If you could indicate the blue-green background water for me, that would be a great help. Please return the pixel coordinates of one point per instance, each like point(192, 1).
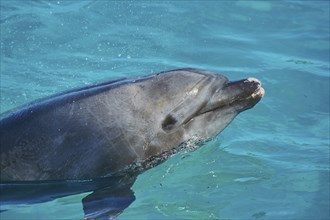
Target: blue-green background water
point(272, 162)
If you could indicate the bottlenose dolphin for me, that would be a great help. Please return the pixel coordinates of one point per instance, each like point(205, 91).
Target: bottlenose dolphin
point(99, 138)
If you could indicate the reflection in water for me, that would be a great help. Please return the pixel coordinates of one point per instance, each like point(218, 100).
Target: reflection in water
point(109, 196)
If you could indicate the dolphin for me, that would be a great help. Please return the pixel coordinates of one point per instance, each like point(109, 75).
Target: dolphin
point(100, 138)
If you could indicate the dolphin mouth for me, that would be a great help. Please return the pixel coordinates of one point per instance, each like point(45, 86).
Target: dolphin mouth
point(234, 97)
point(239, 95)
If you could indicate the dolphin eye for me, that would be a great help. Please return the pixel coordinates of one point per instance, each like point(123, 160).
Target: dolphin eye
point(168, 123)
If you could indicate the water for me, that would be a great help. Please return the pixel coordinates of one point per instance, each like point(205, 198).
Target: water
point(272, 162)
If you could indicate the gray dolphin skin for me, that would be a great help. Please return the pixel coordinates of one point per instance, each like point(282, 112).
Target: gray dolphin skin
point(118, 127)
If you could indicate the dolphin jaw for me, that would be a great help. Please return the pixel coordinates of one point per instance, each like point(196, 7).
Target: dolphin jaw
point(259, 93)
point(241, 101)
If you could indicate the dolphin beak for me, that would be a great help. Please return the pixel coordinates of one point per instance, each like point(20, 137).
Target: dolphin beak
point(249, 88)
point(259, 92)
point(239, 95)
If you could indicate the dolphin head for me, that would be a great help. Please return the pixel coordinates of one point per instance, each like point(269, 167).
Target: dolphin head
point(227, 101)
point(208, 105)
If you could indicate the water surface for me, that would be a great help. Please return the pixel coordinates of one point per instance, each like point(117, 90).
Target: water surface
point(272, 162)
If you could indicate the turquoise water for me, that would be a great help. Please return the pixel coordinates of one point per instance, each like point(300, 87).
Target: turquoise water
point(272, 162)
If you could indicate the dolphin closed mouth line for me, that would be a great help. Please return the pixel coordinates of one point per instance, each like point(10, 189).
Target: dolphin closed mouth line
point(258, 93)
